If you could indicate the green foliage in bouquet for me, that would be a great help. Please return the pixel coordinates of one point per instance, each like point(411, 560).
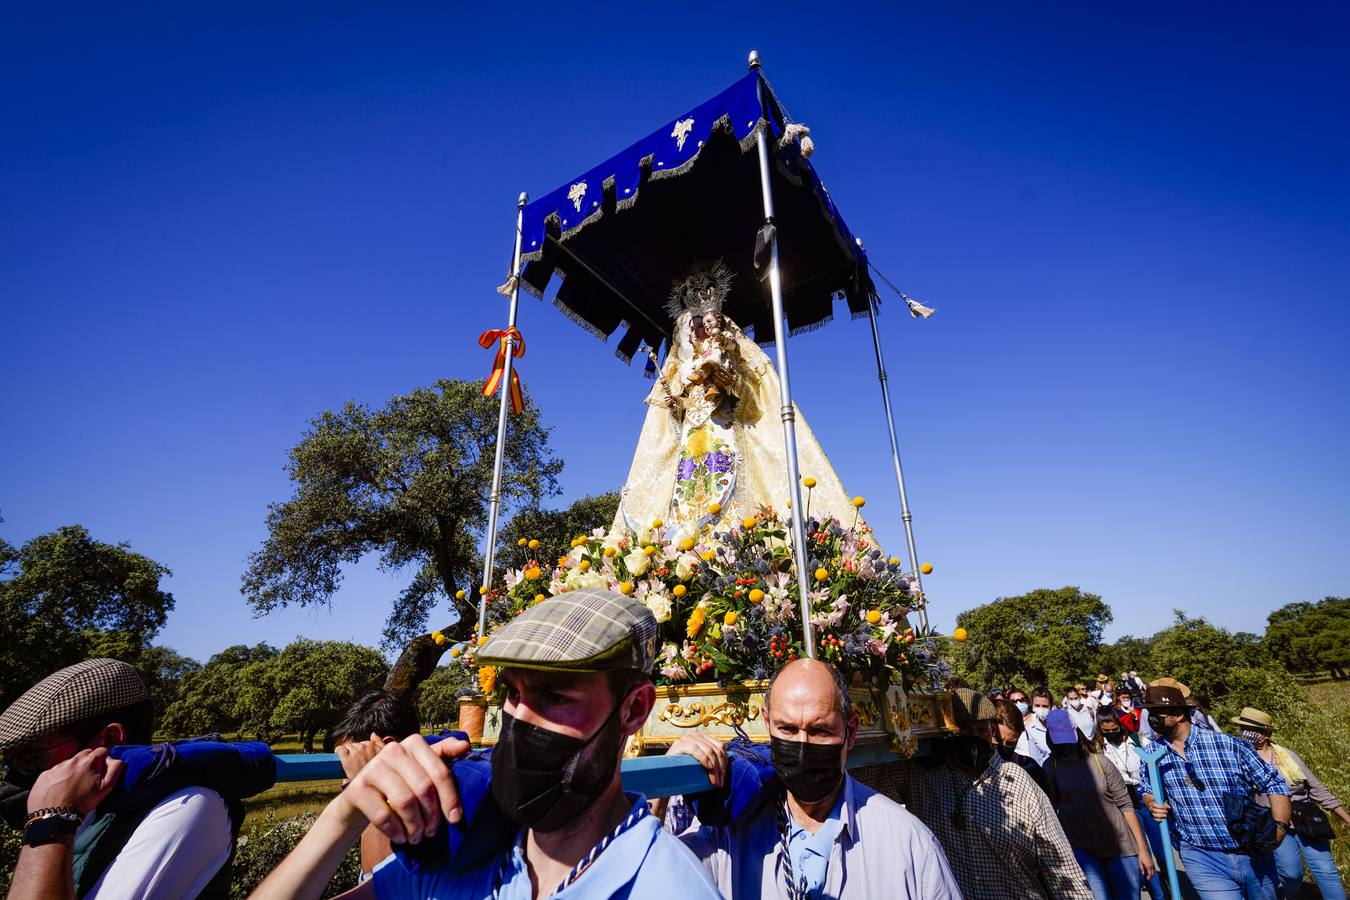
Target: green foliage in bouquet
point(727, 602)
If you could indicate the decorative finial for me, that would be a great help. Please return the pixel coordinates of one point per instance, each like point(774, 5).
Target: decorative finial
point(524, 198)
point(754, 60)
point(858, 241)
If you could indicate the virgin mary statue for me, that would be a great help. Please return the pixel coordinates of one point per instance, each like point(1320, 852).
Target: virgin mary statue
point(711, 450)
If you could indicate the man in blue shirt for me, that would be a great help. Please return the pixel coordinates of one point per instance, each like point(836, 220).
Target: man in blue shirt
point(822, 834)
point(577, 674)
point(1201, 768)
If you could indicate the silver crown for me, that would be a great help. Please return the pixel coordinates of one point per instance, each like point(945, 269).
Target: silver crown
point(702, 292)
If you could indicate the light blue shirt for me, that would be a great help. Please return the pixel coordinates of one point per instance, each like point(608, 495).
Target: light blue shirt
point(811, 852)
point(644, 861)
point(878, 850)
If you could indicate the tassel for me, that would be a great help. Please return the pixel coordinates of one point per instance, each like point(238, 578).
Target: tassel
point(800, 135)
point(510, 287)
point(916, 309)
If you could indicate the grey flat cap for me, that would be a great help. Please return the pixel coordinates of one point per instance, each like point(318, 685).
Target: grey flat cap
point(82, 691)
point(585, 630)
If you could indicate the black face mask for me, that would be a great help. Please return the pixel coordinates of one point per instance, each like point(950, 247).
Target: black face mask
point(1159, 724)
point(545, 779)
point(1006, 749)
point(809, 771)
point(970, 751)
point(1114, 737)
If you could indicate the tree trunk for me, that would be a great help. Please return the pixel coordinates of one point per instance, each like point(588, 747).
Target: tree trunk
point(415, 664)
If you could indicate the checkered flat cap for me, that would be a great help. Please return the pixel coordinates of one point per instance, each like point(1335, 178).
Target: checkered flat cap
point(585, 630)
point(82, 691)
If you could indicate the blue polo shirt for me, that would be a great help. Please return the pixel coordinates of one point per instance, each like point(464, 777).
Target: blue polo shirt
point(644, 861)
point(811, 852)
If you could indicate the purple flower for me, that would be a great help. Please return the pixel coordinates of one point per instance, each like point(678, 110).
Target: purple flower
point(685, 470)
point(718, 462)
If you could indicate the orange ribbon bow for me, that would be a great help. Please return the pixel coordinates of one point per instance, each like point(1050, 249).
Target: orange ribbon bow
point(502, 335)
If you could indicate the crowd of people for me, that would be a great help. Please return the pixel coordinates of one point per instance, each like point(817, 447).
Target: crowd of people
point(1029, 797)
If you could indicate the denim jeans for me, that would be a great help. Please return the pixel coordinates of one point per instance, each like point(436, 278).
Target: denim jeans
point(1110, 878)
point(1289, 858)
point(1153, 835)
point(1228, 876)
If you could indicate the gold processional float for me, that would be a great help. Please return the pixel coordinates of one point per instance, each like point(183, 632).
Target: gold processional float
point(676, 242)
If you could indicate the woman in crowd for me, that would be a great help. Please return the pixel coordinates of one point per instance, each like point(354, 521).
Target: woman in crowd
point(1127, 712)
point(1009, 731)
point(1113, 742)
point(1094, 807)
point(1310, 840)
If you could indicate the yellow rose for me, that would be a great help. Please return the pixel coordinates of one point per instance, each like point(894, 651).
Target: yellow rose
point(756, 596)
point(482, 640)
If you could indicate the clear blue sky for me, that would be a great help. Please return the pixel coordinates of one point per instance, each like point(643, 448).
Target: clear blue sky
point(1135, 226)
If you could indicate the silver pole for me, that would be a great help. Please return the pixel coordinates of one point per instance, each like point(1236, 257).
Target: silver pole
point(784, 389)
point(895, 453)
point(495, 498)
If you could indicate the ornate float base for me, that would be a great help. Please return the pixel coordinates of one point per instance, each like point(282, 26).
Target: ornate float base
point(897, 719)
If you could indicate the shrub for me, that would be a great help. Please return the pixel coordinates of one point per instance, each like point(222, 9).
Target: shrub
point(261, 850)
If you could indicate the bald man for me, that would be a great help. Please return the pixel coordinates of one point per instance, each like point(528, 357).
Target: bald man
point(820, 833)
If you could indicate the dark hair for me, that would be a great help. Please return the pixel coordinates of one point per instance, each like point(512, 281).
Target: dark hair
point(1042, 691)
point(955, 682)
point(1008, 714)
point(377, 712)
point(842, 698)
point(137, 721)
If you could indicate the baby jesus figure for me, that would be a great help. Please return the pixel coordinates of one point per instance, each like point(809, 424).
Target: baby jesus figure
point(713, 364)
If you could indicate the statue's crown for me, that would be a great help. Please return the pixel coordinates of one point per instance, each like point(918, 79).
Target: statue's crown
point(703, 291)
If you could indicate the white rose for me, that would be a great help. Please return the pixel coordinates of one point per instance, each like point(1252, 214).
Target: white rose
point(659, 604)
point(637, 562)
point(684, 566)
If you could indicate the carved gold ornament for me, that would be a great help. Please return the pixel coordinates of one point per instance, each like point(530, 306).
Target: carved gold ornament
point(695, 715)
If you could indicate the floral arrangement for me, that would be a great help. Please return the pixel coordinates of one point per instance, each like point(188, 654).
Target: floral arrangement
point(727, 600)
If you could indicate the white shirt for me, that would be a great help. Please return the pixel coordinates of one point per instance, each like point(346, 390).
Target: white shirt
point(1035, 741)
point(1124, 757)
point(176, 850)
point(881, 850)
point(1084, 718)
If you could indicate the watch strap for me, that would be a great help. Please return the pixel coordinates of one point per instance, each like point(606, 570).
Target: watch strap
point(47, 825)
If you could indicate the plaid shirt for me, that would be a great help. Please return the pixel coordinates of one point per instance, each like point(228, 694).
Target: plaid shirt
point(1215, 764)
point(1005, 844)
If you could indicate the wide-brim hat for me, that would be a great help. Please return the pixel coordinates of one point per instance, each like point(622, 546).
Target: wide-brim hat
point(583, 630)
point(1254, 718)
point(1164, 695)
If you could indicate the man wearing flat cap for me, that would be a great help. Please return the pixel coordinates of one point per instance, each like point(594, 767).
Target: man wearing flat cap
point(577, 675)
point(997, 826)
point(56, 740)
point(1200, 771)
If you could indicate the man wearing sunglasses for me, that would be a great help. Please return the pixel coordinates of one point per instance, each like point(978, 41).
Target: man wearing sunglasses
point(1201, 769)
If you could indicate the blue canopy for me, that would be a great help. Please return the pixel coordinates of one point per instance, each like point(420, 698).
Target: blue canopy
point(622, 233)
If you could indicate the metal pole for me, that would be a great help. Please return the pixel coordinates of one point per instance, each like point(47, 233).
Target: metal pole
point(784, 389)
point(495, 498)
point(895, 452)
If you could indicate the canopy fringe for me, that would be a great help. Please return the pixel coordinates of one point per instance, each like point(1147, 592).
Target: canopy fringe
point(567, 311)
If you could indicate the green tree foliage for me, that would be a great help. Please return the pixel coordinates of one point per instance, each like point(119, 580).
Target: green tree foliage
point(208, 699)
point(437, 703)
point(409, 481)
point(1045, 637)
point(1126, 654)
point(266, 844)
point(1201, 655)
point(162, 668)
point(554, 529)
point(307, 688)
point(1312, 637)
point(59, 588)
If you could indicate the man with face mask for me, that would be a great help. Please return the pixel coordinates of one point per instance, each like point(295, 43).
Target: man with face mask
point(56, 740)
point(1200, 769)
point(998, 828)
point(820, 833)
point(577, 671)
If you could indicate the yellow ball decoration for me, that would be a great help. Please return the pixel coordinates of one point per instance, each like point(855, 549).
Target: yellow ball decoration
point(539, 598)
point(657, 523)
point(459, 595)
point(609, 552)
point(707, 555)
point(584, 565)
point(749, 522)
point(859, 502)
point(822, 573)
point(960, 634)
point(926, 568)
point(482, 640)
point(626, 588)
point(756, 596)
point(534, 544)
point(455, 651)
point(679, 590)
point(730, 618)
point(521, 543)
point(873, 616)
point(714, 508)
point(438, 638)
point(648, 550)
point(482, 591)
point(687, 544)
point(809, 482)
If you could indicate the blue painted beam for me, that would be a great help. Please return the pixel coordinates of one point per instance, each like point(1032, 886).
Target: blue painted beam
point(655, 776)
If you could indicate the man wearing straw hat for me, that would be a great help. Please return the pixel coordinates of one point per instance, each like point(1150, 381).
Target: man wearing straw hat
point(1308, 796)
point(577, 671)
point(1204, 775)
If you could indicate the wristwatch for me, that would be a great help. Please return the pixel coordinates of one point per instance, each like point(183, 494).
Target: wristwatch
point(47, 825)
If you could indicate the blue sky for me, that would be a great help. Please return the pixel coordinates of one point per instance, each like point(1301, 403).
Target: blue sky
point(1135, 226)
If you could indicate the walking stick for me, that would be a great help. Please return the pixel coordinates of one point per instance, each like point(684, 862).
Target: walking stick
point(1150, 755)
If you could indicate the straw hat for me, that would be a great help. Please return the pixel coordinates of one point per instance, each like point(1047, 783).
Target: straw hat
point(1251, 717)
